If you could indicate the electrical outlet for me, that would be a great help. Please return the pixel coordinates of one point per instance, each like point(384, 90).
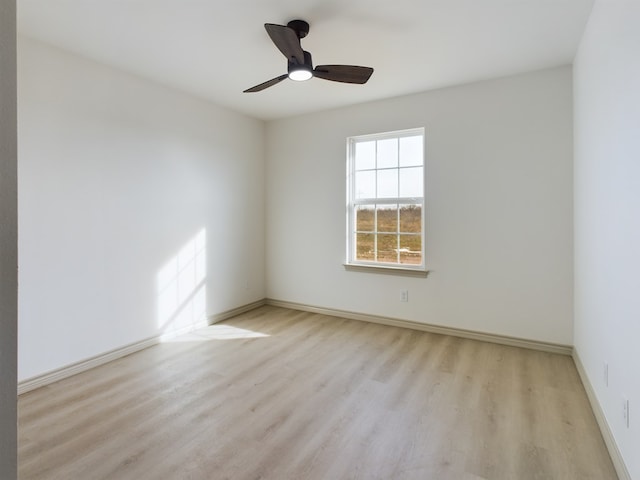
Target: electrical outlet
point(404, 295)
point(606, 374)
point(625, 411)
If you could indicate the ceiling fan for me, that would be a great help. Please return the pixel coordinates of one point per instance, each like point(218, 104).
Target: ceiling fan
point(299, 64)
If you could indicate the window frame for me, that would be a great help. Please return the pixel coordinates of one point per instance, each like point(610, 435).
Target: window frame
point(352, 263)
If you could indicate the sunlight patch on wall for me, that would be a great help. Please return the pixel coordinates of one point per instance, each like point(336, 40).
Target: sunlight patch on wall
point(181, 289)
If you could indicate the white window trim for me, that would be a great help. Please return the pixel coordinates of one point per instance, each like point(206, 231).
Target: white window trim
point(351, 264)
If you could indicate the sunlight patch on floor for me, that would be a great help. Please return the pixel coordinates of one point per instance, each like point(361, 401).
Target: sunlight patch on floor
point(217, 332)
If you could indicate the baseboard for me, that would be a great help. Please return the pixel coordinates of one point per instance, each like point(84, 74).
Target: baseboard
point(607, 435)
point(73, 369)
point(425, 327)
point(219, 317)
point(83, 365)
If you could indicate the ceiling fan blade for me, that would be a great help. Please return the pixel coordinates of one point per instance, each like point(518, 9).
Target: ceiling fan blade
point(267, 84)
point(287, 41)
point(343, 73)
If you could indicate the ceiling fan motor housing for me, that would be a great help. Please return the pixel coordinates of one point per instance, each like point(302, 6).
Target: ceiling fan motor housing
point(300, 27)
point(308, 63)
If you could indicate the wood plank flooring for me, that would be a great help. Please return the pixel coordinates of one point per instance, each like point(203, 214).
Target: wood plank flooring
point(282, 394)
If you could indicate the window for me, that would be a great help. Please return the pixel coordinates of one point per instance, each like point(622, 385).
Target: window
point(385, 185)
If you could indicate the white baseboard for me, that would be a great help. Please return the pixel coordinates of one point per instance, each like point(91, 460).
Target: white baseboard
point(73, 369)
point(83, 365)
point(607, 435)
point(425, 327)
point(219, 317)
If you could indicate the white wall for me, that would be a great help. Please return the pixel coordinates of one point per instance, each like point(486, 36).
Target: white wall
point(498, 206)
point(8, 240)
point(116, 176)
point(607, 214)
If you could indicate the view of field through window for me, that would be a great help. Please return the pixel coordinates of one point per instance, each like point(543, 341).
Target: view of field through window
point(393, 231)
point(386, 198)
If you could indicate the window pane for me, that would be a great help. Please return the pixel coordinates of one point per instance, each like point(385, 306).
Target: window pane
point(411, 180)
point(387, 183)
point(366, 184)
point(388, 248)
point(410, 219)
point(365, 155)
point(388, 153)
point(411, 151)
point(364, 218)
point(388, 218)
point(364, 246)
point(410, 249)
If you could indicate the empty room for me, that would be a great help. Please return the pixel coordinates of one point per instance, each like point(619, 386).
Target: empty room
point(320, 239)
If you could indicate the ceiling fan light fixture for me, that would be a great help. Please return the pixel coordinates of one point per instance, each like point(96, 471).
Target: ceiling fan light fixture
point(300, 74)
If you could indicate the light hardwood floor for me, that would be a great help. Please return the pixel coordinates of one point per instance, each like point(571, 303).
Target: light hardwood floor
point(315, 397)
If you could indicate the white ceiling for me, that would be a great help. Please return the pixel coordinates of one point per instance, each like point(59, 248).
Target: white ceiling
point(216, 49)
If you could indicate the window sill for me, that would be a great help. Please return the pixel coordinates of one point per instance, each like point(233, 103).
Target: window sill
point(407, 272)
